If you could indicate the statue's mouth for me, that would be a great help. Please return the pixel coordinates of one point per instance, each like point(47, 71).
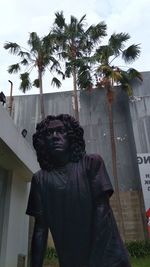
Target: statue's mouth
point(57, 145)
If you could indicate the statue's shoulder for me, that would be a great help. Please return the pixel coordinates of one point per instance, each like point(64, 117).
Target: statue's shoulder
point(93, 158)
point(38, 173)
point(37, 176)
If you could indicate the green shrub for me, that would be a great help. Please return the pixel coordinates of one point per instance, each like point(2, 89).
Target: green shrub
point(51, 254)
point(138, 249)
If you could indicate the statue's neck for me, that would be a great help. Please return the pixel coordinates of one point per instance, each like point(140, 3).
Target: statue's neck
point(60, 160)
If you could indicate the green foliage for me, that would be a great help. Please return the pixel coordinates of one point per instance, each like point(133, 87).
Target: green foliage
point(84, 77)
point(51, 254)
point(14, 68)
point(140, 262)
point(138, 249)
point(116, 42)
point(56, 82)
point(36, 83)
point(139, 252)
point(13, 48)
point(108, 72)
point(34, 42)
point(75, 44)
point(96, 31)
point(131, 53)
point(24, 62)
point(25, 82)
point(39, 55)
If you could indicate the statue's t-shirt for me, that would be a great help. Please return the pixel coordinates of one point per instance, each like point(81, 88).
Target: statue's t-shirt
point(68, 198)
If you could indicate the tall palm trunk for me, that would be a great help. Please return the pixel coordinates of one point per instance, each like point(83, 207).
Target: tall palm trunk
point(41, 94)
point(74, 74)
point(114, 159)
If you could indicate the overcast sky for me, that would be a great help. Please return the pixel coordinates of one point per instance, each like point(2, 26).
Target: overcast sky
point(20, 17)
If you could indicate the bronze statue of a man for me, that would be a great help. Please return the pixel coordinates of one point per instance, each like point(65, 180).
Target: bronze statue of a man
point(70, 196)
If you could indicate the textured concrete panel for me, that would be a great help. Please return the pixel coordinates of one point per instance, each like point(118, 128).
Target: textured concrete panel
point(140, 114)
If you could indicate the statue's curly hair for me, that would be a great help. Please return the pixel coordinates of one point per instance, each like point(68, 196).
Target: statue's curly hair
point(74, 134)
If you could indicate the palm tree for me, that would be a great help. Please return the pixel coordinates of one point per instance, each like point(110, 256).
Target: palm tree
point(109, 75)
point(75, 44)
point(39, 56)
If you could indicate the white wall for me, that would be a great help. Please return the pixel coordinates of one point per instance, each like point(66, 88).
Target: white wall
point(14, 140)
point(19, 159)
point(17, 229)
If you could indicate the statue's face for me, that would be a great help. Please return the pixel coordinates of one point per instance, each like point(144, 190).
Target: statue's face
point(56, 138)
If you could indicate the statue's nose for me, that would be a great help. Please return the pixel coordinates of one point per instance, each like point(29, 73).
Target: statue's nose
point(55, 133)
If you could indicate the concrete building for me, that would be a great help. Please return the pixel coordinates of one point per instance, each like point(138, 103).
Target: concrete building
point(17, 163)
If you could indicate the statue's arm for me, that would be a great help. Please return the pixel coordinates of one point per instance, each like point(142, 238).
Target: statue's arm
point(39, 242)
point(106, 248)
point(101, 230)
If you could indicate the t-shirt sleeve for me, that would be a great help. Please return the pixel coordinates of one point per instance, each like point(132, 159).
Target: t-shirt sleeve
point(98, 177)
point(34, 206)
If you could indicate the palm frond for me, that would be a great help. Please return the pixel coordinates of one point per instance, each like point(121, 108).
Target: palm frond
point(131, 53)
point(14, 68)
point(56, 82)
point(73, 21)
point(59, 20)
point(34, 42)
point(24, 62)
point(103, 53)
point(55, 64)
point(13, 48)
point(79, 63)
point(116, 76)
point(84, 77)
point(24, 54)
point(127, 78)
point(25, 82)
point(62, 55)
point(59, 72)
point(82, 19)
point(133, 74)
point(68, 69)
point(127, 88)
point(105, 70)
point(48, 43)
point(117, 40)
point(36, 83)
point(97, 32)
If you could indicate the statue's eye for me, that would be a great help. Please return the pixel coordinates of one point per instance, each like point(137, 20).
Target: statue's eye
point(49, 131)
point(61, 130)
point(58, 130)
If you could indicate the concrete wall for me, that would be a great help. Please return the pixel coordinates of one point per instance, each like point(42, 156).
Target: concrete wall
point(140, 114)
point(94, 119)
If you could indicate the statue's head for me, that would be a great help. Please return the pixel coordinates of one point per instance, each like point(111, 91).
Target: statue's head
point(58, 137)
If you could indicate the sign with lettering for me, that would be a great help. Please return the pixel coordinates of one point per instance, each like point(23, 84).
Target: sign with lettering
point(144, 168)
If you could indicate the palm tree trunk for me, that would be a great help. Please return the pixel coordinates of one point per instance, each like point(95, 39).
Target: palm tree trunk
point(114, 161)
point(75, 93)
point(41, 94)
